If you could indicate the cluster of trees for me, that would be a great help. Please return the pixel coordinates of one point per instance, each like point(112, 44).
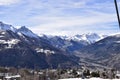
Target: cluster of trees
point(105, 74)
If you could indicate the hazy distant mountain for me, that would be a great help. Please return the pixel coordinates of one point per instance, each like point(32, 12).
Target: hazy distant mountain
point(22, 48)
point(88, 37)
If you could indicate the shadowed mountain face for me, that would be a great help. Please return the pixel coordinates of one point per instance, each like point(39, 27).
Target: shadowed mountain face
point(105, 52)
point(22, 48)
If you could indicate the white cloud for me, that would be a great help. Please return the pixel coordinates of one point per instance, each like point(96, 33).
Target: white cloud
point(8, 2)
point(61, 16)
point(72, 25)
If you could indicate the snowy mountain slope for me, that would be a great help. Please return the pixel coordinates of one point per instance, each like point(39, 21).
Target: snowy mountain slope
point(22, 30)
point(26, 32)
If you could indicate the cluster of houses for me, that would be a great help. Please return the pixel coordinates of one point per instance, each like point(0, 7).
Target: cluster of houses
point(46, 51)
point(56, 74)
point(9, 76)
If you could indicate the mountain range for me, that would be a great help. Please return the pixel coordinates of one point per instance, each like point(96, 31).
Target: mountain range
point(23, 48)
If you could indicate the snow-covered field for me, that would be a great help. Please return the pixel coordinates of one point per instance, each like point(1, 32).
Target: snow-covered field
point(88, 79)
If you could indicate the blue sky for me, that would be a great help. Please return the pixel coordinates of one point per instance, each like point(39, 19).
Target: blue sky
point(61, 17)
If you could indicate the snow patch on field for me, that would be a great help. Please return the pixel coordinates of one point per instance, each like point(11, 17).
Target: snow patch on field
point(9, 42)
point(46, 51)
point(88, 79)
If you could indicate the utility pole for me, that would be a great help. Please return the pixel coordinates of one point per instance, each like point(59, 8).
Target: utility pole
point(117, 11)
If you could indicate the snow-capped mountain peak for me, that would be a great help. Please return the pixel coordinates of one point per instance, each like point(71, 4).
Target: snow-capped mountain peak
point(7, 27)
point(89, 37)
point(92, 37)
point(26, 32)
point(23, 28)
